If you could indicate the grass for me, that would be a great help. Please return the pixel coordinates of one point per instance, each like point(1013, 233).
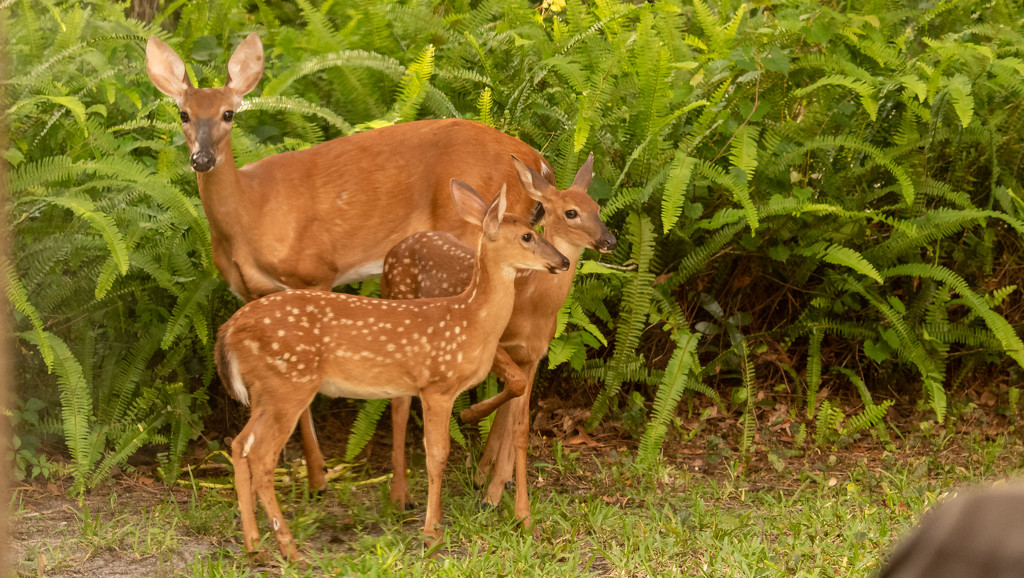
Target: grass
point(816, 512)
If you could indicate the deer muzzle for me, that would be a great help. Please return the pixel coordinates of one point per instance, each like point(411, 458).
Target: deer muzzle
point(563, 266)
point(202, 161)
point(203, 158)
point(606, 243)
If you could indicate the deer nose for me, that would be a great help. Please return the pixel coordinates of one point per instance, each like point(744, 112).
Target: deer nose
point(565, 263)
point(607, 243)
point(203, 161)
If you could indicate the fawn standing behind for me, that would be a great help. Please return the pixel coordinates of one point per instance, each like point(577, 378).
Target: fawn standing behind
point(326, 215)
point(278, 352)
point(435, 264)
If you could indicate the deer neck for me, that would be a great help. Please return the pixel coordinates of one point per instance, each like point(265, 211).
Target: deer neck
point(221, 192)
point(491, 293)
point(568, 248)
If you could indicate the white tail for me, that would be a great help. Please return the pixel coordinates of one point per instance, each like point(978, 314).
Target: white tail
point(288, 347)
point(327, 215)
point(436, 264)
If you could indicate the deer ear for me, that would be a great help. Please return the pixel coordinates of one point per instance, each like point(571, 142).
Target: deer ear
point(245, 66)
point(166, 70)
point(585, 174)
point(533, 182)
point(495, 213)
point(468, 203)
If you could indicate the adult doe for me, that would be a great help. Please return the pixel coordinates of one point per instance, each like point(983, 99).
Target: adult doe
point(327, 215)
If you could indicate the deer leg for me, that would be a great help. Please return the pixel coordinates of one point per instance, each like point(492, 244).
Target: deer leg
point(245, 489)
point(521, 432)
point(263, 455)
point(315, 464)
point(504, 461)
point(504, 454)
point(399, 481)
point(436, 438)
point(499, 453)
point(498, 427)
point(515, 384)
point(496, 463)
point(501, 427)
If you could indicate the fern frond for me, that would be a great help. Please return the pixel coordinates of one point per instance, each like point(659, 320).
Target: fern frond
point(674, 383)
point(749, 385)
point(343, 58)
point(100, 221)
point(1002, 329)
point(414, 85)
point(674, 193)
point(743, 152)
point(863, 89)
point(364, 426)
point(636, 302)
point(483, 105)
point(844, 256)
point(298, 106)
point(739, 190)
point(186, 310)
point(18, 297)
point(76, 406)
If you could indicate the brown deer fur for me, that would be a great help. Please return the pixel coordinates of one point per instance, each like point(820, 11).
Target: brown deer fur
point(327, 215)
point(436, 264)
point(278, 352)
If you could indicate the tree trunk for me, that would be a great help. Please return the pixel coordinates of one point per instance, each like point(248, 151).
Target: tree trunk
point(143, 10)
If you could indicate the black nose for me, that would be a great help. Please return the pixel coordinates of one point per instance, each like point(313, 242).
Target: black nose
point(606, 244)
point(565, 263)
point(203, 161)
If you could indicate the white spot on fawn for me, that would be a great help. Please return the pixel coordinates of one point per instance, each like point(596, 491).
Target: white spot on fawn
point(248, 445)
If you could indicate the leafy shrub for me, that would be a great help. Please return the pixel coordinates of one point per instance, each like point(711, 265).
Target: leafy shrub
point(842, 185)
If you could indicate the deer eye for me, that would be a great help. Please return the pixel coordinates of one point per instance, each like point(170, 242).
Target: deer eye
point(527, 237)
point(228, 115)
point(184, 116)
point(571, 214)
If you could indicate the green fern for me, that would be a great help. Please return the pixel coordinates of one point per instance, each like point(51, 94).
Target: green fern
point(838, 255)
point(76, 406)
point(484, 104)
point(813, 371)
point(1002, 330)
point(413, 86)
point(636, 304)
point(750, 393)
point(863, 89)
point(364, 426)
point(675, 190)
point(675, 381)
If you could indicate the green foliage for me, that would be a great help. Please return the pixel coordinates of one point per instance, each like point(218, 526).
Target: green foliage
point(749, 394)
point(856, 169)
point(364, 427)
point(679, 376)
